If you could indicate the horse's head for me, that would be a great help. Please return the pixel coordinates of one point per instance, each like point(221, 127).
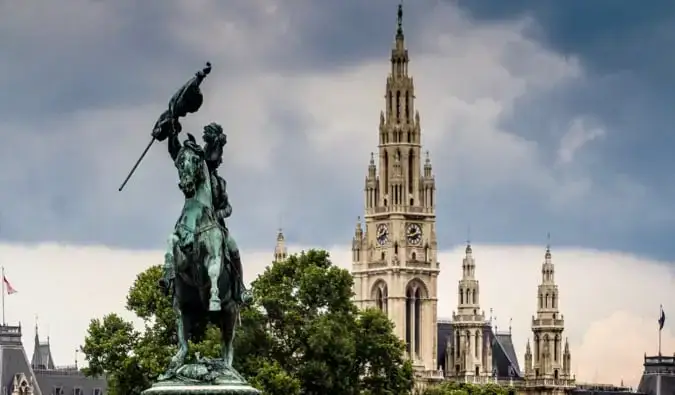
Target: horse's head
point(190, 165)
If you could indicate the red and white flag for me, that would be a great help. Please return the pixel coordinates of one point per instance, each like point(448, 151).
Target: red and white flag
point(8, 286)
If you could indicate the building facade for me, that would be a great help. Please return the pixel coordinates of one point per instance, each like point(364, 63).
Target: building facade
point(394, 260)
point(40, 376)
point(395, 269)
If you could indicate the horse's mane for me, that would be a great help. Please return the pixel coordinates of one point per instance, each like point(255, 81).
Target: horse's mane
point(191, 144)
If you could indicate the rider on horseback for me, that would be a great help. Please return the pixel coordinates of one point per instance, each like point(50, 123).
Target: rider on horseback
point(214, 140)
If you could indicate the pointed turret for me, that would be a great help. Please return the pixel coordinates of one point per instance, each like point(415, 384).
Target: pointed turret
point(357, 242)
point(280, 252)
point(469, 324)
point(567, 359)
point(528, 359)
point(548, 325)
point(42, 354)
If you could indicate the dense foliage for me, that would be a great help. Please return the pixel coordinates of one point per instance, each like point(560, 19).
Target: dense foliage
point(453, 388)
point(301, 335)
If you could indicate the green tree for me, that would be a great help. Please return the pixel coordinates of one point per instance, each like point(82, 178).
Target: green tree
point(454, 388)
point(302, 334)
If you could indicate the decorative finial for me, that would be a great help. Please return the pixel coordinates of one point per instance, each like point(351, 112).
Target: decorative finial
point(510, 322)
point(548, 246)
point(372, 158)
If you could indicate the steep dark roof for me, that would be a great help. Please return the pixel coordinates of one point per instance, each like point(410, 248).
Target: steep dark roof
point(42, 354)
point(508, 359)
point(504, 358)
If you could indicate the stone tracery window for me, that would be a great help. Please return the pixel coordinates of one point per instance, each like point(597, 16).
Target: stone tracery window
point(416, 293)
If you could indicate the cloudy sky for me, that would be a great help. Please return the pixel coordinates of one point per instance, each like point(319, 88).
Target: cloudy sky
point(541, 116)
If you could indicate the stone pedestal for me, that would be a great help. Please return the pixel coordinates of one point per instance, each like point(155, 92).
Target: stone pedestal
point(202, 389)
point(205, 378)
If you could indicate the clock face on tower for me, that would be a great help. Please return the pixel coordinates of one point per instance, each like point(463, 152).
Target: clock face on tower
point(414, 234)
point(382, 234)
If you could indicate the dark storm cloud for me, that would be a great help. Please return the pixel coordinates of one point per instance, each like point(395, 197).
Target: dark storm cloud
point(625, 48)
point(68, 74)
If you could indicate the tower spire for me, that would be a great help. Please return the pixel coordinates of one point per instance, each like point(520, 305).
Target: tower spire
point(399, 19)
point(280, 251)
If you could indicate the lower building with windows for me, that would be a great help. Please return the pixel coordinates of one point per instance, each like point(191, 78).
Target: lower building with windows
point(39, 376)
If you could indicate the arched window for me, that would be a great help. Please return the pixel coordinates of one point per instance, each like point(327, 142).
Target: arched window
point(457, 344)
point(391, 102)
point(411, 168)
point(408, 319)
point(413, 256)
point(418, 319)
point(407, 106)
point(555, 301)
point(536, 348)
point(547, 301)
point(398, 106)
point(385, 174)
point(477, 344)
point(380, 294)
point(555, 347)
point(416, 293)
point(461, 296)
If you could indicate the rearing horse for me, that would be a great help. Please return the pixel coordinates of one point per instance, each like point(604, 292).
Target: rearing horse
point(197, 262)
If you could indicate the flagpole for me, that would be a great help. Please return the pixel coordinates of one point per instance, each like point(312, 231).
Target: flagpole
point(660, 315)
point(3, 296)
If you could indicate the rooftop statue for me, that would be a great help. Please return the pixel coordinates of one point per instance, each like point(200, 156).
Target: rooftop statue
point(202, 268)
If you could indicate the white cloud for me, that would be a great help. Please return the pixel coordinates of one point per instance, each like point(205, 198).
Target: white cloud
point(610, 300)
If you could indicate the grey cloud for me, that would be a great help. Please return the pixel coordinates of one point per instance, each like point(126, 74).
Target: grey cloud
point(287, 162)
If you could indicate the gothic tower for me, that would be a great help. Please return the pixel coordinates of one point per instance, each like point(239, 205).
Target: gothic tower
point(471, 351)
point(548, 359)
point(280, 252)
point(394, 257)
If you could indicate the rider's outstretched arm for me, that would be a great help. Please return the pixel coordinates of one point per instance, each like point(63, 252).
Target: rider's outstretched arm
point(174, 146)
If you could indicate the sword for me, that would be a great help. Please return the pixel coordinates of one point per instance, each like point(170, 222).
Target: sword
point(138, 162)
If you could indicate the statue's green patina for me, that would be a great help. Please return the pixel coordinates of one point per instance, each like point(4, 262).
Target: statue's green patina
point(202, 268)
